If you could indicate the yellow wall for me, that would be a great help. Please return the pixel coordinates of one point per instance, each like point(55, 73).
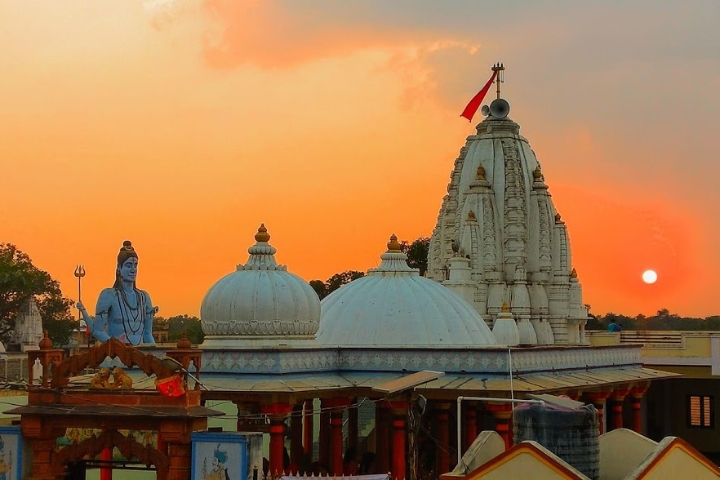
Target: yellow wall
point(678, 464)
point(695, 346)
point(524, 465)
point(621, 451)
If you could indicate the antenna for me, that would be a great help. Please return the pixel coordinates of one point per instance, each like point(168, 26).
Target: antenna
point(500, 78)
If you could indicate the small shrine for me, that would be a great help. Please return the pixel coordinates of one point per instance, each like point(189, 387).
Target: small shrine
point(108, 407)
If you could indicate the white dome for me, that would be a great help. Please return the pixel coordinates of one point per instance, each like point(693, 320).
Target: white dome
point(394, 306)
point(260, 305)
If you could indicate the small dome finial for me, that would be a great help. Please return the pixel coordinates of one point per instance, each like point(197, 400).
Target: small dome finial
point(481, 173)
point(558, 218)
point(393, 245)
point(573, 274)
point(471, 216)
point(537, 174)
point(262, 235)
point(505, 308)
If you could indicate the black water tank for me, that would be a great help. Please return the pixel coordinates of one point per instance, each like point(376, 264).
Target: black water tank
point(570, 433)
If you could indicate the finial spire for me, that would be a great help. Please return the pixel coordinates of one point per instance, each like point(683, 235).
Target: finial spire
point(500, 78)
point(393, 245)
point(262, 235)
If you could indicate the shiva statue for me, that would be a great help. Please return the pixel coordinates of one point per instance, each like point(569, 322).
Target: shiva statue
point(123, 311)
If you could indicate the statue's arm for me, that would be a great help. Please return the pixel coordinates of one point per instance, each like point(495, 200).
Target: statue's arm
point(102, 313)
point(149, 318)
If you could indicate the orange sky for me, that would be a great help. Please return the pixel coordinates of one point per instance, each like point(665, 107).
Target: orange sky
point(181, 125)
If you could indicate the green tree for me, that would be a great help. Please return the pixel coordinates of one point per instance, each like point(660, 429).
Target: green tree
point(323, 289)
point(20, 281)
point(183, 323)
point(417, 253)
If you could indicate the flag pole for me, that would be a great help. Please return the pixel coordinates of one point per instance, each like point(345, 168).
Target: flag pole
point(499, 69)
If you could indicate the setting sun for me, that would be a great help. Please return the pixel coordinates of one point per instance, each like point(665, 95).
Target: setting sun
point(649, 276)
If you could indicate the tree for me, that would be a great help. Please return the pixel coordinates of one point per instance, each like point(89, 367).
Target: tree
point(20, 281)
point(189, 325)
point(323, 289)
point(417, 253)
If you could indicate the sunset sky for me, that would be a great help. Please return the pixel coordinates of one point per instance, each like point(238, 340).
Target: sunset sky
point(183, 124)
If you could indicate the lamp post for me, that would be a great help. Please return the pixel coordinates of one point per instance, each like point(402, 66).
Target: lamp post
point(79, 274)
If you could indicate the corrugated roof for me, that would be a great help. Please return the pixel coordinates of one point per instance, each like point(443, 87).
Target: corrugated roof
point(461, 383)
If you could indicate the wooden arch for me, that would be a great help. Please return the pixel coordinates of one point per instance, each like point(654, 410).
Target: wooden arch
point(112, 348)
point(108, 439)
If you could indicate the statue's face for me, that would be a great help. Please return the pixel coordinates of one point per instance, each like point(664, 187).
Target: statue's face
point(128, 269)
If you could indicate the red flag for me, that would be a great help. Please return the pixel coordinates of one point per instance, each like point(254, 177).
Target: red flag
point(172, 387)
point(477, 99)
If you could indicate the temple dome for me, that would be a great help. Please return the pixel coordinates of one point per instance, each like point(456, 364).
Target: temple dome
point(393, 306)
point(260, 305)
point(499, 217)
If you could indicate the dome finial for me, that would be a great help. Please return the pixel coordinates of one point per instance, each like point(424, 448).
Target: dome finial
point(262, 235)
point(393, 245)
point(537, 174)
point(481, 173)
point(505, 308)
point(471, 216)
point(573, 274)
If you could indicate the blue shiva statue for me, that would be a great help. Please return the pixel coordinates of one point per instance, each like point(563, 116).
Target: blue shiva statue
point(123, 311)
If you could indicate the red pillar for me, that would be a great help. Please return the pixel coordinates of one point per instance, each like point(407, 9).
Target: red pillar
point(598, 400)
point(636, 394)
point(336, 453)
point(337, 406)
point(106, 456)
point(324, 434)
point(442, 434)
point(471, 432)
point(398, 460)
point(382, 434)
point(308, 432)
point(352, 439)
point(617, 398)
point(277, 413)
point(277, 446)
point(296, 437)
point(501, 413)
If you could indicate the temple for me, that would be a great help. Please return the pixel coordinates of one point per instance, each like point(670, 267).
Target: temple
point(393, 372)
point(499, 238)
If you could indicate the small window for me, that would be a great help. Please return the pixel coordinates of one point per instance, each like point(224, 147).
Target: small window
point(700, 411)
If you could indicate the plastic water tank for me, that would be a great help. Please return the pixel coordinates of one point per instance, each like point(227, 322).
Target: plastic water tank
point(570, 433)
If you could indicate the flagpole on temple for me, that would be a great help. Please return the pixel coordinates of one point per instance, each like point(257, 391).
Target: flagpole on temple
point(499, 70)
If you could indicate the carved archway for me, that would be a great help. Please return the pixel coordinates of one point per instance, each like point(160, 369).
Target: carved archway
point(108, 439)
point(112, 348)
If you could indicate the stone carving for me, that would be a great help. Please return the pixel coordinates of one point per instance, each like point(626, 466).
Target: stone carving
point(123, 311)
point(515, 208)
point(489, 244)
point(28, 327)
point(545, 244)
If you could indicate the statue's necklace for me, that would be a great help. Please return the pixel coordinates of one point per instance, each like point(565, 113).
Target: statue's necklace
point(133, 318)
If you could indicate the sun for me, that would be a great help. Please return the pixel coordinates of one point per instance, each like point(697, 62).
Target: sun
point(649, 276)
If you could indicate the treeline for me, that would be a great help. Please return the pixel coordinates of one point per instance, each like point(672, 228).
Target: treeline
point(663, 320)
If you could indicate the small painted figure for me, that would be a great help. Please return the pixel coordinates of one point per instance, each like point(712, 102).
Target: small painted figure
point(101, 380)
point(218, 471)
point(121, 379)
point(5, 465)
point(123, 311)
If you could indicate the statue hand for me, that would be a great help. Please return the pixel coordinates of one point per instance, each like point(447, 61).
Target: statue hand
point(80, 306)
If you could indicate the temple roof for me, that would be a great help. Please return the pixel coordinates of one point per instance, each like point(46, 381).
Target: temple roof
point(261, 304)
point(394, 306)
